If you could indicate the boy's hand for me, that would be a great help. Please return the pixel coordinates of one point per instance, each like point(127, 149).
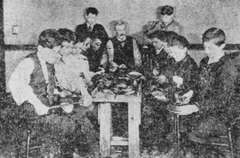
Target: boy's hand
point(122, 66)
point(185, 99)
point(178, 80)
point(162, 79)
point(150, 25)
point(41, 109)
point(100, 72)
point(155, 72)
point(185, 109)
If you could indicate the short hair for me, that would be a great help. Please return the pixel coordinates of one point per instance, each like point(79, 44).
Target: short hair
point(179, 41)
point(119, 22)
point(170, 35)
point(164, 36)
point(49, 38)
point(166, 10)
point(67, 35)
point(215, 34)
point(159, 34)
point(91, 10)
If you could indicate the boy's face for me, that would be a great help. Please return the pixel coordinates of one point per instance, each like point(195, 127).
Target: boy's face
point(157, 43)
point(212, 49)
point(91, 18)
point(121, 31)
point(67, 48)
point(96, 44)
point(178, 53)
point(167, 18)
point(52, 56)
point(77, 48)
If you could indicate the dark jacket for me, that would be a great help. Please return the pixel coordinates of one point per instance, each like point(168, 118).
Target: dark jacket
point(98, 30)
point(94, 58)
point(161, 61)
point(189, 71)
point(220, 87)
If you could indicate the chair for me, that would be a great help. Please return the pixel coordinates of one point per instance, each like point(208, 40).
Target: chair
point(224, 142)
point(29, 148)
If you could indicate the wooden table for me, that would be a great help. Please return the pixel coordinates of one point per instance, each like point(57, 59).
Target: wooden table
point(134, 120)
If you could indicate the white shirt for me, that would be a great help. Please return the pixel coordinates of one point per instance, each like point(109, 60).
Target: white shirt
point(19, 83)
point(159, 50)
point(68, 72)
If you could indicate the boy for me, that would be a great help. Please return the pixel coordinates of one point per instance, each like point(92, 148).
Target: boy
point(96, 55)
point(68, 71)
point(33, 79)
point(178, 81)
point(91, 28)
point(73, 74)
point(219, 101)
point(166, 23)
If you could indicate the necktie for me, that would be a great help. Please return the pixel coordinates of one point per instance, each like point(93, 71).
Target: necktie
point(90, 28)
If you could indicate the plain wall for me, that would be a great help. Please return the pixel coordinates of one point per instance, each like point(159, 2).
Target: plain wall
point(33, 16)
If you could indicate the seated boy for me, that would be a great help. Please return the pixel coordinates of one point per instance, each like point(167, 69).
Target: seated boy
point(33, 79)
point(185, 73)
point(219, 101)
point(71, 67)
point(96, 55)
point(178, 82)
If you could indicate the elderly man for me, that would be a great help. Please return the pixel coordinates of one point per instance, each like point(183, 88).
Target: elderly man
point(123, 50)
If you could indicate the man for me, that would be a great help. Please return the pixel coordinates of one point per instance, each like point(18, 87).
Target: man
point(91, 28)
point(33, 79)
point(123, 50)
point(219, 97)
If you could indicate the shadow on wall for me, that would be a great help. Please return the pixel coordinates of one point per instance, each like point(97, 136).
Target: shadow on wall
point(194, 37)
point(197, 55)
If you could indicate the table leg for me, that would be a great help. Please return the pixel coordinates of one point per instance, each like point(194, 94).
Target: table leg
point(134, 110)
point(104, 113)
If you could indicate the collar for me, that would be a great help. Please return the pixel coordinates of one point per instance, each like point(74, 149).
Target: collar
point(159, 50)
point(120, 40)
point(214, 66)
point(166, 26)
point(40, 57)
point(216, 59)
point(90, 25)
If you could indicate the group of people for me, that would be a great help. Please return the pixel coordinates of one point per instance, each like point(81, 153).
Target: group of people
point(65, 61)
point(206, 96)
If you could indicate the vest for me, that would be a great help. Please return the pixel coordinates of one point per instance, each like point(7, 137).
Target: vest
point(123, 54)
point(43, 90)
